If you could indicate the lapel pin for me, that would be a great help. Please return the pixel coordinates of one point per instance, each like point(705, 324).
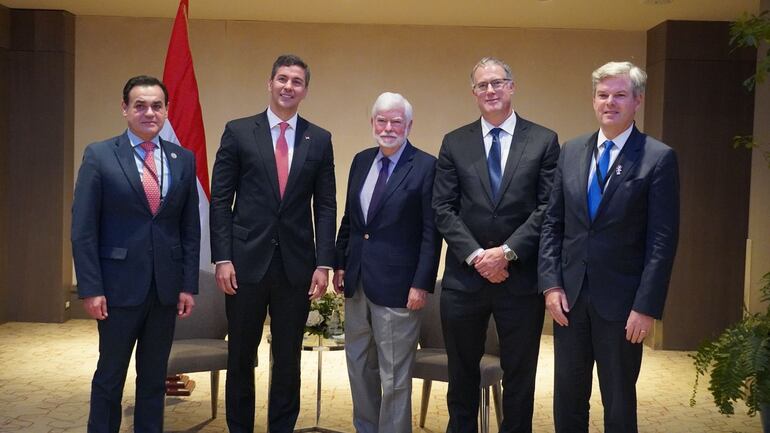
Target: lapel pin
point(173, 155)
point(618, 170)
point(307, 137)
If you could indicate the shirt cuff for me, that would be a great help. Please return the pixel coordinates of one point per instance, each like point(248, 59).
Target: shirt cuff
point(223, 261)
point(328, 268)
point(473, 255)
point(551, 288)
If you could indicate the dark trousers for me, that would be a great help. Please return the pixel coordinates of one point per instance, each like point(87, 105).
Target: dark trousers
point(288, 306)
point(151, 327)
point(519, 321)
point(589, 338)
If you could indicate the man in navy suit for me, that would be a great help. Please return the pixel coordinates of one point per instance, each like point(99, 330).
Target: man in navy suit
point(493, 178)
point(606, 252)
point(273, 166)
point(387, 259)
point(135, 242)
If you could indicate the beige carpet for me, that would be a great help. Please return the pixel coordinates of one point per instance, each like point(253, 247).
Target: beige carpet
point(46, 369)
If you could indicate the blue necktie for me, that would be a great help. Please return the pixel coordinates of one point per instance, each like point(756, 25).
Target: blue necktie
point(596, 189)
point(493, 162)
point(379, 188)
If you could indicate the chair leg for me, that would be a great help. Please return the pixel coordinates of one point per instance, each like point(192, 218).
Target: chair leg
point(484, 409)
point(425, 399)
point(214, 392)
point(498, 401)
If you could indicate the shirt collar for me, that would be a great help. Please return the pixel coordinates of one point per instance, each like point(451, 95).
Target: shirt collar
point(393, 158)
point(274, 120)
point(618, 141)
point(508, 125)
point(136, 141)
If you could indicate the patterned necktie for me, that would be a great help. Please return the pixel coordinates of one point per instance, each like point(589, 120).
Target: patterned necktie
point(493, 162)
point(379, 188)
point(596, 189)
point(150, 177)
point(282, 158)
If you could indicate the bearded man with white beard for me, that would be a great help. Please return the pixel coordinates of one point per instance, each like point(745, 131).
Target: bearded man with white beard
point(388, 250)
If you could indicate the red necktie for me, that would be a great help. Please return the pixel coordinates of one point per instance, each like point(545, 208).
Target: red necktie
point(282, 158)
point(150, 177)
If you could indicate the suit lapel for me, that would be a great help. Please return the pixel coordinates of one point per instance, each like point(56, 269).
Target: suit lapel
point(302, 143)
point(585, 169)
point(478, 155)
point(265, 148)
point(625, 163)
point(127, 160)
point(403, 168)
point(358, 180)
point(175, 167)
point(518, 144)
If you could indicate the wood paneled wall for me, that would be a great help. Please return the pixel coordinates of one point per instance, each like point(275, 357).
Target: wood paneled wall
point(696, 104)
point(38, 170)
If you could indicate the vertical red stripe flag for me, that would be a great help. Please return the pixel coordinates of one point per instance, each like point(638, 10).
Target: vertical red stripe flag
point(185, 118)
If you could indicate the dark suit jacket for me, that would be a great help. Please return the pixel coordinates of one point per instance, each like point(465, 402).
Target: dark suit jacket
point(628, 250)
point(469, 218)
point(248, 233)
point(117, 244)
point(399, 247)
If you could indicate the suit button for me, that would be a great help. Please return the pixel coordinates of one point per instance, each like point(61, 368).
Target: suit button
point(366, 236)
point(494, 215)
point(585, 262)
point(273, 241)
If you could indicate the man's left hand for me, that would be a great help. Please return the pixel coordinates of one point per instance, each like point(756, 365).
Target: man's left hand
point(417, 298)
point(638, 326)
point(318, 283)
point(185, 305)
point(491, 262)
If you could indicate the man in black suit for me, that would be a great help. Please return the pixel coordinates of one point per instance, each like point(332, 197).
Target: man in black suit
point(273, 165)
point(135, 243)
point(492, 184)
point(606, 252)
point(387, 259)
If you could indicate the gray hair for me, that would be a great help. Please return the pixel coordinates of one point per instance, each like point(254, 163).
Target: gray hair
point(493, 61)
point(615, 69)
point(391, 101)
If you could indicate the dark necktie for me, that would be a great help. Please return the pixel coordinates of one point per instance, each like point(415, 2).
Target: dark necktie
point(599, 181)
point(150, 177)
point(493, 162)
point(379, 188)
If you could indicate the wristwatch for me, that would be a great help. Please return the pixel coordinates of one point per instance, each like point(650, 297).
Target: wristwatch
point(509, 254)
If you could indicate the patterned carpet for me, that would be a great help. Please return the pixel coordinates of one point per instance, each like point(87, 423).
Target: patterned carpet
point(46, 369)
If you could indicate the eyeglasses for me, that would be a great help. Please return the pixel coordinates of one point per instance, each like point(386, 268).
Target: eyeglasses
point(496, 85)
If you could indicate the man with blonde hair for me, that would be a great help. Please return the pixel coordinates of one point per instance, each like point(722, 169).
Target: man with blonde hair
point(606, 252)
point(387, 259)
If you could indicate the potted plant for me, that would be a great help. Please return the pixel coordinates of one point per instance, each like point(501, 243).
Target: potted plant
point(739, 363)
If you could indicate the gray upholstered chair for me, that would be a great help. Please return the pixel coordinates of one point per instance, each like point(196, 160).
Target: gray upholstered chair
point(431, 362)
point(199, 340)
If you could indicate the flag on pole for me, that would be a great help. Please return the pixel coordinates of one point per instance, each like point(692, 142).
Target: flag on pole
point(185, 119)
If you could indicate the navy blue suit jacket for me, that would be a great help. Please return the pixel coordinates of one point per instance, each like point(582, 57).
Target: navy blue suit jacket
point(117, 244)
point(627, 252)
point(399, 248)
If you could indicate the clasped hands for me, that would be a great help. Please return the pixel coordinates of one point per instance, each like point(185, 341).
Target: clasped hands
point(491, 265)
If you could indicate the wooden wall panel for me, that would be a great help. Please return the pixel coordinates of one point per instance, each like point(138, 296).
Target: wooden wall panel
point(40, 147)
point(696, 104)
point(5, 37)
